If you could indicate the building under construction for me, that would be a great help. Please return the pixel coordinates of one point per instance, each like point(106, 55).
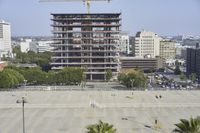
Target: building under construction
point(88, 41)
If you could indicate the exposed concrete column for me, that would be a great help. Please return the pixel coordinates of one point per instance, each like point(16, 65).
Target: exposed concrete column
point(91, 77)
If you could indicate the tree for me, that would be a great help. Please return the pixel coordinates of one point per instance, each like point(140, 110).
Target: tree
point(41, 59)
point(109, 74)
point(101, 127)
point(44, 64)
point(16, 74)
point(183, 77)
point(35, 76)
point(121, 77)
point(70, 76)
point(5, 81)
point(17, 52)
point(188, 126)
point(10, 78)
point(193, 77)
point(51, 78)
point(133, 79)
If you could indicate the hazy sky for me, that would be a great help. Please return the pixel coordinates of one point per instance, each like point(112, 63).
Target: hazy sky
point(165, 17)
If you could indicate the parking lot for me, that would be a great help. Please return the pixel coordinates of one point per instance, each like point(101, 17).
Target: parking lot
point(170, 81)
point(72, 111)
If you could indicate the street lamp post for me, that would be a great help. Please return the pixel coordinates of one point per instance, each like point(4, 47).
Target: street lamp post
point(23, 115)
point(23, 101)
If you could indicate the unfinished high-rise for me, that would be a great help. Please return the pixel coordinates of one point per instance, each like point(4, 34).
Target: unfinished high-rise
point(88, 41)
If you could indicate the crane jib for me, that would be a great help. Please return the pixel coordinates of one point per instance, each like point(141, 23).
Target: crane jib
point(87, 2)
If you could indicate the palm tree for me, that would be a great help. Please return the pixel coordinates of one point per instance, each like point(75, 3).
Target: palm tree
point(101, 127)
point(188, 126)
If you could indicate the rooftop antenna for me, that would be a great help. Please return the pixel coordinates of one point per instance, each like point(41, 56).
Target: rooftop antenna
point(87, 2)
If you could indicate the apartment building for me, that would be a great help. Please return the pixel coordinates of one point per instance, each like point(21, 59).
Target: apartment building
point(167, 49)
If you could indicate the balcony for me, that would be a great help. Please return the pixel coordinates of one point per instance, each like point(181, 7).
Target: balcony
point(85, 38)
point(83, 57)
point(85, 63)
point(95, 31)
point(86, 25)
point(88, 19)
point(101, 68)
point(86, 51)
point(92, 44)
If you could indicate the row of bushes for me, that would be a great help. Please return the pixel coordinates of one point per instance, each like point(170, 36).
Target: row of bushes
point(13, 77)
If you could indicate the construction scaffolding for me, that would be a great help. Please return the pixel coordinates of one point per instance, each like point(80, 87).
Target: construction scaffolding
point(88, 41)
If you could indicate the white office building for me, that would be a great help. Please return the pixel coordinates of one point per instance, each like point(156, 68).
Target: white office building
point(35, 46)
point(147, 43)
point(44, 46)
point(25, 45)
point(5, 39)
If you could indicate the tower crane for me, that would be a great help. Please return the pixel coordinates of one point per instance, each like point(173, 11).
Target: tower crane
point(87, 2)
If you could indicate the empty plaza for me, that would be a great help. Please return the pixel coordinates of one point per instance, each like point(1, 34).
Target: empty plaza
point(72, 111)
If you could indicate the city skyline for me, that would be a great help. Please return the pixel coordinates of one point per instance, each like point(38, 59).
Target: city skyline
point(31, 18)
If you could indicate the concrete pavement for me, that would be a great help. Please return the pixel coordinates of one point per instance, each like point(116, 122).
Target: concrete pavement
point(71, 111)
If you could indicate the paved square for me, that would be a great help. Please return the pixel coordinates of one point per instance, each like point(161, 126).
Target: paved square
point(72, 111)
